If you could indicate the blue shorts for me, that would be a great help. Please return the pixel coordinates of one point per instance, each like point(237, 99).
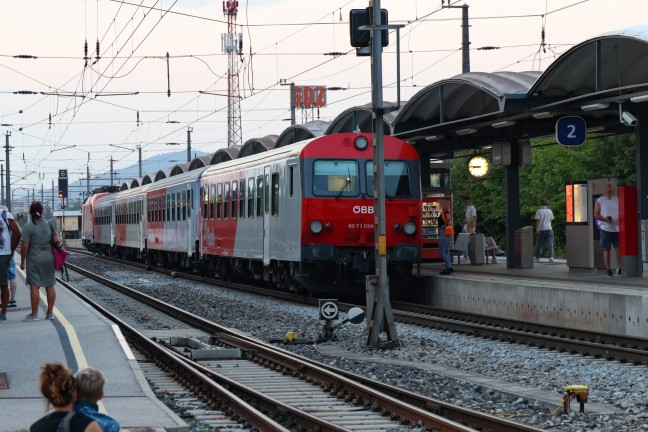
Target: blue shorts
point(609, 238)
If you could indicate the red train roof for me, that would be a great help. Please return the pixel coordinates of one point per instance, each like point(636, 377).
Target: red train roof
point(342, 146)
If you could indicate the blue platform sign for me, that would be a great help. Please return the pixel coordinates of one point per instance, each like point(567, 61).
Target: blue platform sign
point(570, 131)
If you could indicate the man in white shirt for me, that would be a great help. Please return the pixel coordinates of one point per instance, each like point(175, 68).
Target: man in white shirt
point(470, 220)
point(544, 233)
point(9, 239)
point(606, 212)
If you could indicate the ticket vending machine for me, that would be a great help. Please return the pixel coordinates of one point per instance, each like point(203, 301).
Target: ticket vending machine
point(582, 232)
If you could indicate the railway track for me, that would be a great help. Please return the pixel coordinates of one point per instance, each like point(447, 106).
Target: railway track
point(600, 345)
point(364, 405)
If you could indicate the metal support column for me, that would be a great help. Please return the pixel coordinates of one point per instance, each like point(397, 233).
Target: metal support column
point(381, 311)
point(8, 173)
point(641, 132)
point(512, 185)
point(189, 130)
point(139, 159)
point(2, 192)
point(111, 171)
point(465, 40)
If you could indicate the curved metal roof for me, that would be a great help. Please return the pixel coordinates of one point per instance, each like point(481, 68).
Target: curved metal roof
point(134, 183)
point(224, 154)
point(358, 117)
point(124, 186)
point(257, 145)
point(200, 162)
point(465, 96)
point(610, 61)
point(179, 169)
point(161, 174)
point(296, 133)
point(146, 180)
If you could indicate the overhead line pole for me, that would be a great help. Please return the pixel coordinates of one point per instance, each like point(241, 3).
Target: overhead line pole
point(381, 313)
point(8, 173)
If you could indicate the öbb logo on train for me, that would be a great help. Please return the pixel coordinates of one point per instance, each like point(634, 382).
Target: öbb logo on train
point(363, 209)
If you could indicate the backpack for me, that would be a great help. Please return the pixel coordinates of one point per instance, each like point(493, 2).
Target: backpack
point(60, 253)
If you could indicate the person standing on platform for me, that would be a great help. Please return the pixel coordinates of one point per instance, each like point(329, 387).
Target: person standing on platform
point(57, 385)
point(606, 212)
point(544, 233)
point(89, 384)
point(446, 234)
point(13, 286)
point(38, 237)
point(470, 220)
point(9, 238)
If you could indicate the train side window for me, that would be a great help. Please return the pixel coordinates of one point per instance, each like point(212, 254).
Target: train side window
point(173, 206)
point(234, 199)
point(275, 194)
point(204, 196)
point(226, 201)
point(291, 180)
point(219, 198)
point(242, 200)
point(178, 206)
point(266, 193)
point(212, 201)
point(168, 208)
point(259, 197)
point(184, 205)
point(250, 204)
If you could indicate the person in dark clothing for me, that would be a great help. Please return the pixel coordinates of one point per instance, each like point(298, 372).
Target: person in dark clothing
point(57, 385)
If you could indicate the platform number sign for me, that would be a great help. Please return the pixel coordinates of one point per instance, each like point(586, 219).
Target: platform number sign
point(328, 309)
point(570, 131)
point(62, 173)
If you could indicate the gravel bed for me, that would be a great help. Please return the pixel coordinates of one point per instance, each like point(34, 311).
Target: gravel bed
point(623, 387)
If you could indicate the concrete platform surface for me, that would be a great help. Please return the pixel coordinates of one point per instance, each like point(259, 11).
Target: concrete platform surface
point(548, 293)
point(78, 337)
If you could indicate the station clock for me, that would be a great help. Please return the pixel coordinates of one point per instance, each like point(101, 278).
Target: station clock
point(478, 166)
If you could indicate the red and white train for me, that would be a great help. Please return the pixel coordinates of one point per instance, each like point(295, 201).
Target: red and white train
point(300, 216)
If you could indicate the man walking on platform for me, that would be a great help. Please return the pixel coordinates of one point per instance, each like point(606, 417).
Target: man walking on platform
point(606, 212)
point(544, 233)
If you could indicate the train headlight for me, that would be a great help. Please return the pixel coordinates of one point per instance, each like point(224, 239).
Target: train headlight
point(409, 228)
point(328, 227)
point(397, 228)
point(316, 227)
point(361, 142)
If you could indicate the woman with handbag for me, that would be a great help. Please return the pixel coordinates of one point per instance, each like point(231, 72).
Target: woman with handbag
point(36, 250)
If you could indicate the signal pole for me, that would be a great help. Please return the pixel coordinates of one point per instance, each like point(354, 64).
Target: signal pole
point(465, 36)
point(189, 130)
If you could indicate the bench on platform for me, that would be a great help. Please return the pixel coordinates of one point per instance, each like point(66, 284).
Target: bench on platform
point(460, 245)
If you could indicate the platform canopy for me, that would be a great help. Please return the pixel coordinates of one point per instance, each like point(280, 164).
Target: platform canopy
point(359, 118)
point(257, 145)
point(200, 162)
point(134, 183)
point(224, 155)
point(124, 186)
point(296, 133)
point(591, 80)
point(161, 174)
point(179, 169)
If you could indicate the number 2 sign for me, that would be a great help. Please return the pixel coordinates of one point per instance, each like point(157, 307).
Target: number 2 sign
point(570, 131)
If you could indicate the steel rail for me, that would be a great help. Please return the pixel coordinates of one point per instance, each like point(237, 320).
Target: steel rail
point(422, 413)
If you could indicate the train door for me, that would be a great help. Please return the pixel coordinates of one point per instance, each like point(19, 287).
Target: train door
point(266, 215)
point(186, 213)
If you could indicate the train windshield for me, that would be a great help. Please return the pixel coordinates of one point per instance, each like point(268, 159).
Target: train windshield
point(397, 179)
point(336, 178)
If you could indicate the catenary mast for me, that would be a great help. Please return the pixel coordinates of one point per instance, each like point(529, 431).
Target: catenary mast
point(232, 44)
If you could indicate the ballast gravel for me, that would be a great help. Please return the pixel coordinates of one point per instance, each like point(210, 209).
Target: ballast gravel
point(619, 386)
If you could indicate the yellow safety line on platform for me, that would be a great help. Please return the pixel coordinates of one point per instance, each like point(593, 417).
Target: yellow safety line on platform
point(75, 344)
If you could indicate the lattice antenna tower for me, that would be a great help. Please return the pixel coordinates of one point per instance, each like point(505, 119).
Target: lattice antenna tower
point(232, 44)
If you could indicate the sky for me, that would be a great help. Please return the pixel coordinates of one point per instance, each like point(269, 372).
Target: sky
point(82, 115)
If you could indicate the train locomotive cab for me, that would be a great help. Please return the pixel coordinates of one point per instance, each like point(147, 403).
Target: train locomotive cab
point(338, 231)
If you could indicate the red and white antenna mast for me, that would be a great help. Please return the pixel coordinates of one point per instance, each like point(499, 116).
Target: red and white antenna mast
point(232, 44)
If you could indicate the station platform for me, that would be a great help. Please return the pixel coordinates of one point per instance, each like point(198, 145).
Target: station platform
point(548, 293)
point(77, 337)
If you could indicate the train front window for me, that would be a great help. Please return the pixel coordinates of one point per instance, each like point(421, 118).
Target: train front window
point(335, 178)
point(397, 179)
